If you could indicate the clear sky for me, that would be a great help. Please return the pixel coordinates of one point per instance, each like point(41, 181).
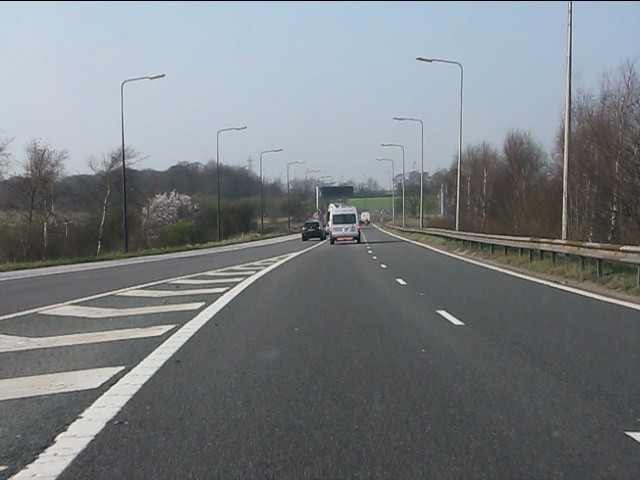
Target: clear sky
point(321, 80)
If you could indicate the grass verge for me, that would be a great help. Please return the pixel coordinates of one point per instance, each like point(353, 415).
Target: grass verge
point(618, 280)
point(11, 266)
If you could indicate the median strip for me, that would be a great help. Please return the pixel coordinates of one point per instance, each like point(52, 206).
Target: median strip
point(449, 317)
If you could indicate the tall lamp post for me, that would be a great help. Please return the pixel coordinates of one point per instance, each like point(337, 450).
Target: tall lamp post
point(402, 147)
point(288, 207)
point(309, 170)
point(567, 126)
point(124, 174)
point(218, 169)
point(261, 202)
point(437, 60)
point(393, 194)
point(403, 119)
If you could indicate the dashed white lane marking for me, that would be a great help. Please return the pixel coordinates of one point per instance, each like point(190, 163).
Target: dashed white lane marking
point(171, 293)
point(99, 312)
point(213, 281)
point(449, 317)
point(369, 252)
point(382, 265)
point(401, 281)
point(51, 383)
point(68, 444)
point(634, 435)
point(2, 467)
point(10, 343)
point(374, 257)
point(548, 283)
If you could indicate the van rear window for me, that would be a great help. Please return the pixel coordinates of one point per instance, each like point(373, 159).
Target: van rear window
point(344, 218)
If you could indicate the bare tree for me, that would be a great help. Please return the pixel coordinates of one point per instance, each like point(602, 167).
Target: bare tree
point(605, 163)
point(480, 171)
point(525, 169)
point(34, 191)
point(108, 172)
point(4, 154)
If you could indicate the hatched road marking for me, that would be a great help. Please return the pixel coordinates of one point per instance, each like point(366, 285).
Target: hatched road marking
point(10, 343)
point(68, 444)
point(51, 383)
point(227, 274)
point(213, 281)
point(634, 435)
point(99, 312)
point(171, 293)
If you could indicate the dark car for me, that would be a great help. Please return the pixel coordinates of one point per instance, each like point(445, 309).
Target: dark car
point(313, 229)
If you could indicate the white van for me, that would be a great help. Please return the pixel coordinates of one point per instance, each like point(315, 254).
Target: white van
point(344, 224)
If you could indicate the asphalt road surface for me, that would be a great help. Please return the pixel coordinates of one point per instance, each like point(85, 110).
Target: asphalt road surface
point(378, 360)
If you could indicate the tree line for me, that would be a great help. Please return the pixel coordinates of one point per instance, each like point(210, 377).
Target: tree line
point(512, 189)
point(45, 215)
point(516, 188)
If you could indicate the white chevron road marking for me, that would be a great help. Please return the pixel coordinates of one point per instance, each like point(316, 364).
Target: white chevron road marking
point(100, 312)
point(11, 343)
point(51, 383)
point(171, 293)
point(212, 281)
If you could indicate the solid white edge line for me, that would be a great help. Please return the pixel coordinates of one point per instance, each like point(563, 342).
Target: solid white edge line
point(401, 281)
point(634, 435)
point(449, 317)
point(68, 444)
point(584, 293)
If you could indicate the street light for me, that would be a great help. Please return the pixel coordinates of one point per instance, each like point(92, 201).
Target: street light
point(402, 119)
point(308, 170)
point(393, 194)
point(402, 147)
point(567, 125)
point(288, 209)
point(218, 169)
point(316, 170)
point(124, 175)
point(261, 203)
point(437, 60)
